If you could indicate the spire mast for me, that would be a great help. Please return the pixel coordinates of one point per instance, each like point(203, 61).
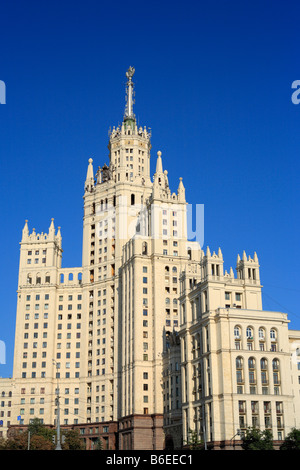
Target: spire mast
point(129, 95)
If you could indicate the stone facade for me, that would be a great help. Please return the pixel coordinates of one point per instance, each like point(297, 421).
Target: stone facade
point(96, 333)
point(145, 332)
point(239, 363)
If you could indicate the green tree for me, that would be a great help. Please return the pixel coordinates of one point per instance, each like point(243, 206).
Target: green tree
point(292, 440)
point(72, 440)
point(37, 435)
point(40, 442)
point(2, 443)
point(17, 441)
point(98, 445)
point(37, 428)
point(254, 439)
point(193, 441)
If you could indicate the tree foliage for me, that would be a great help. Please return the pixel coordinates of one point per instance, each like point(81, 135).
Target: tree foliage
point(194, 442)
point(72, 440)
point(36, 437)
point(255, 439)
point(292, 440)
point(98, 445)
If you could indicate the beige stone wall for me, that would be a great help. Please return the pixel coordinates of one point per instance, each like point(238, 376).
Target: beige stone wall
point(220, 396)
point(6, 405)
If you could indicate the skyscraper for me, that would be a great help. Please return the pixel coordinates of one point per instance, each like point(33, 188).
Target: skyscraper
point(149, 334)
point(99, 330)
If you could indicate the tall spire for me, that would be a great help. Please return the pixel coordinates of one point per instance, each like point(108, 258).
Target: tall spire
point(89, 182)
point(129, 95)
point(25, 232)
point(159, 168)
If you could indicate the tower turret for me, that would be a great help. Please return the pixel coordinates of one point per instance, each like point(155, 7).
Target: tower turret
point(129, 145)
point(248, 268)
point(212, 264)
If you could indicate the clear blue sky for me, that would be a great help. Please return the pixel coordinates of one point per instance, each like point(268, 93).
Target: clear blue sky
point(213, 81)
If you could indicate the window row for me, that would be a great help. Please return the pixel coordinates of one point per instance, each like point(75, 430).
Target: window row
point(250, 333)
point(229, 295)
point(253, 375)
point(266, 418)
point(44, 345)
point(252, 363)
point(250, 338)
point(57, 375)
point(43, 365)
point(36, 252)
point(37, 297)
point(36, 261)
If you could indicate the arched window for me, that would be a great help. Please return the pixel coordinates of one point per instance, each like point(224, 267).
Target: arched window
point(273, 334)
point(132, 199)
point(144, 248)
point(261, 334)
point(239, 374)
point(251, 363)
point(174, 269)
point(251, 366)
point(276, 376)
point(71, 277)
point(263, 363)
point(167, 300)
point(264, 374)
point(239, 362)
point(249, 332)
point(62, 279)
point(237, 332)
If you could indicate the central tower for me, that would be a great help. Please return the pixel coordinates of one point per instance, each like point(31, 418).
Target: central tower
point(134, 248)
point(113, 200)
point(129, 145)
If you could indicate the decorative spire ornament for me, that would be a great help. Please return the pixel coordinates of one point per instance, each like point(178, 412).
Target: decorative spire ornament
point(129, 114)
